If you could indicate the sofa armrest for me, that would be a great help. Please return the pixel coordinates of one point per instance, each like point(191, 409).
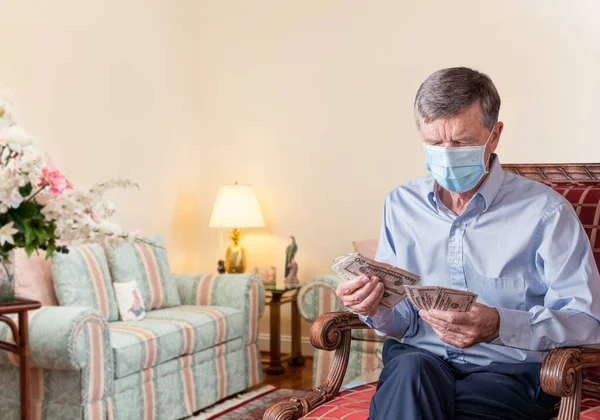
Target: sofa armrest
point(240, 291)
point(63, 338)
point(317, 297)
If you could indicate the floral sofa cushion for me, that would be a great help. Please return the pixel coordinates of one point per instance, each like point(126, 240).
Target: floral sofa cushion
point(148, 266)
point(82, 278)
point(166, 334)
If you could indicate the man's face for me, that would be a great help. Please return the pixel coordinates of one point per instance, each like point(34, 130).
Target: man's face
point(464, 129)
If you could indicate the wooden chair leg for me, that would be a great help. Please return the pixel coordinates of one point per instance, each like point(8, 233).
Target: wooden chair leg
point(570, 406)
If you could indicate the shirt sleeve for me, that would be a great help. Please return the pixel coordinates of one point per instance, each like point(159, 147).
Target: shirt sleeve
point(571, 312)
point(401, 320)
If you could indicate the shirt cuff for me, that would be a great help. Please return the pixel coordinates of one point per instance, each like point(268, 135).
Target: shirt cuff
point(381, 317)
point(515, 328)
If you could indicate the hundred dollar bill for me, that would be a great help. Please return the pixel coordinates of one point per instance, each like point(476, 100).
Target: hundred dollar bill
point(394, 279)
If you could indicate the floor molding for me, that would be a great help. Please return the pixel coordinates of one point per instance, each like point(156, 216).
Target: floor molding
point(286, 344)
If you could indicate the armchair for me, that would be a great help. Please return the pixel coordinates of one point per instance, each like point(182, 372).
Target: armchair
point(569, 373)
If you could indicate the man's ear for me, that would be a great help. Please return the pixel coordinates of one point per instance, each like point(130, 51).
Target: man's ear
point(496, 137)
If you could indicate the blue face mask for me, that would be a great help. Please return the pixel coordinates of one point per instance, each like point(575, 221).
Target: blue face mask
point(456, 169)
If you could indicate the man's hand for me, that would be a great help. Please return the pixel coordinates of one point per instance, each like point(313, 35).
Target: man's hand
point(361, 294)
point(464, 329)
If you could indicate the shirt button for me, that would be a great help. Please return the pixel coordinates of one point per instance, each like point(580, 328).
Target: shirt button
point(513, 340)
point(456, 262)
point(457, 224)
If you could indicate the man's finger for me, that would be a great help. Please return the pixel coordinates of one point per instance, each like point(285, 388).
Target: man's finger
point(443, 325)
point(370, 304)
point(359, 295)
point(363, 293)
point(451, 317)
point(453, 339)
point(348, 287)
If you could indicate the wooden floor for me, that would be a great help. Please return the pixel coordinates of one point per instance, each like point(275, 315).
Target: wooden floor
point(295, 377)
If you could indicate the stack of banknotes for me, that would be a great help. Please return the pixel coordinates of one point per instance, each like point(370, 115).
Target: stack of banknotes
point(442, 298)
point(398, 284)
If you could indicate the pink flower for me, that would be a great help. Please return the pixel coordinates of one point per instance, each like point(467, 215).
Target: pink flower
point(55, 180)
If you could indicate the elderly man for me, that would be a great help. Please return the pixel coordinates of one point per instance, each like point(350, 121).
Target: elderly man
point(515, 242)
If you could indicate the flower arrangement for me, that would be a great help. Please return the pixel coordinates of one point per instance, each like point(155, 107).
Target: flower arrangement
point(40, 210)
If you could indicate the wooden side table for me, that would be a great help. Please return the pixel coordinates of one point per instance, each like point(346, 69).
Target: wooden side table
point(21, 337)
point(295, 357)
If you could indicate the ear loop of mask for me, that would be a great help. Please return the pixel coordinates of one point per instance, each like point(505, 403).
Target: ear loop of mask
point(487, 162)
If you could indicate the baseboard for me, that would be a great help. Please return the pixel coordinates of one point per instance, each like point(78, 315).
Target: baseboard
point(286, 344)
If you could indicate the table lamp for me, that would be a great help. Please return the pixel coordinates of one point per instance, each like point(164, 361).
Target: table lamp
point(236, 207)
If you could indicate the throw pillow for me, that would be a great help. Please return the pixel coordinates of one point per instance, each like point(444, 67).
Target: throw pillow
point(148, 265)
point(82, 278)
point(367, 247)
point(129, 301)
point(33, 278)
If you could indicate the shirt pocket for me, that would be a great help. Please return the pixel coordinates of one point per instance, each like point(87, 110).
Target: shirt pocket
point(501, 292)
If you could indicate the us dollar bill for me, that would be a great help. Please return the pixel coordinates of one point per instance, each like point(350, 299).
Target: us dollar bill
point(442, 298)
point(351, 266)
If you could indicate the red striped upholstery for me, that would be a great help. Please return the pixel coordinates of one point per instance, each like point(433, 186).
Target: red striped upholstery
point(352, 404)
point(585, 198)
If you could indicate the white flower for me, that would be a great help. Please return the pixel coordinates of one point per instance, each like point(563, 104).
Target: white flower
point(6, 234)
point(132, 237)
point(15, 137)
point(29, 161)
point(6, 118)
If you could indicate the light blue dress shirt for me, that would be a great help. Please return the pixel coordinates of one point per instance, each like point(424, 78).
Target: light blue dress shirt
point(519, 245)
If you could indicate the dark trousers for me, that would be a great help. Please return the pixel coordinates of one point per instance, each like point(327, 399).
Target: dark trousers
point(416, 384)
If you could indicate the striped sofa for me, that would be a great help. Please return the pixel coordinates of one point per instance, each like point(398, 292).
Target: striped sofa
point(173, 363)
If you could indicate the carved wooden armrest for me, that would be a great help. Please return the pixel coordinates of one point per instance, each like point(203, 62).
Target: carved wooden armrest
point(561, 370)
point(330, 331)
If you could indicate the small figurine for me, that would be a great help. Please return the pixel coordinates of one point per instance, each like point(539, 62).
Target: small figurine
point(292, 279)
point(290, 253)
point(221, 267)
point(291, 267)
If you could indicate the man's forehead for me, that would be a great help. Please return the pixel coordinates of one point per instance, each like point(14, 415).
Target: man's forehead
point(451, 130)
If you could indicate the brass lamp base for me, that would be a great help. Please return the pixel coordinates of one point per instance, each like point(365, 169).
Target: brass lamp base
point(235, 258)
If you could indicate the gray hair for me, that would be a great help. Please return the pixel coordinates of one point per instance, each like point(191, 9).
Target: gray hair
point(447, 92)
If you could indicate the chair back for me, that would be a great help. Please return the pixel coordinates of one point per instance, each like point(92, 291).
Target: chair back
point(579, 183)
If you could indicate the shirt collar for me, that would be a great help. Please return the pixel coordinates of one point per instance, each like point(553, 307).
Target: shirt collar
point(488, 190)
point(490, 187)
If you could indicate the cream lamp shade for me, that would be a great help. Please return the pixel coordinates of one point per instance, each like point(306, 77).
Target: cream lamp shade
point(236, 206)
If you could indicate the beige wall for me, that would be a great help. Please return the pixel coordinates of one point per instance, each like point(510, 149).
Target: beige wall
point(311, 102)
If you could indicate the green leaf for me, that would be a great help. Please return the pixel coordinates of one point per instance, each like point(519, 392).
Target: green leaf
point(29, 233)
point(27, 210)
point(26, 190)
point(50, 250)
point(19, 221)
point(41, 236)
point(30, 249)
